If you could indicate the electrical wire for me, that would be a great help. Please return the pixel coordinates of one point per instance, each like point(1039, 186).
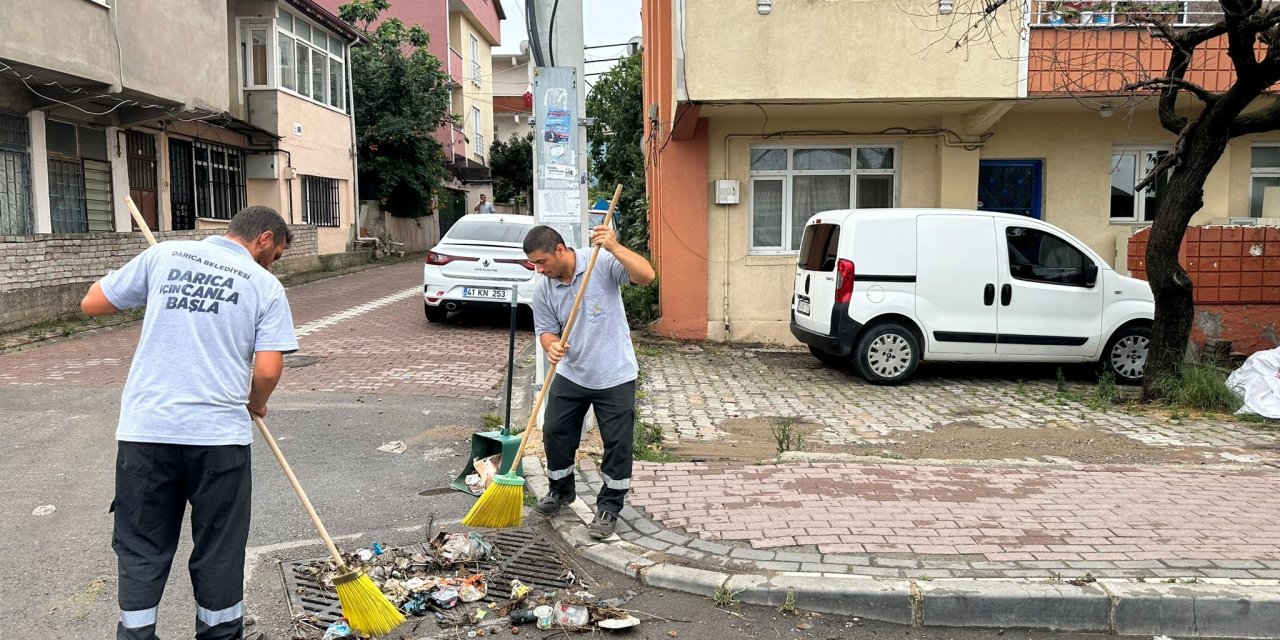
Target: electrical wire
point(551, 32)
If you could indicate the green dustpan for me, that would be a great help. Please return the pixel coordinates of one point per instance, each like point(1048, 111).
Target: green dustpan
point(490, 443)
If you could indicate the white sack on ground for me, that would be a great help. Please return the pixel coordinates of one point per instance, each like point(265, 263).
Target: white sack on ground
point(1257, 382)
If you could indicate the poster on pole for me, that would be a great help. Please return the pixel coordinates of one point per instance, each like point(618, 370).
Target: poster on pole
point(557, 178)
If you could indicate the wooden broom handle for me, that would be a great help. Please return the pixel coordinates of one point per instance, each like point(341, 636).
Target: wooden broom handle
point(137, 217)
point(297, 488)
point(564, 335)
point(266, 434)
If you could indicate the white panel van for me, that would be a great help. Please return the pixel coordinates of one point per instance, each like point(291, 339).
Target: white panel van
point(887, 288)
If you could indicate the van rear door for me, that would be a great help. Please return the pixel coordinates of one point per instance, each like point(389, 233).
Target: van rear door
point(956, 277)
point(815, 286)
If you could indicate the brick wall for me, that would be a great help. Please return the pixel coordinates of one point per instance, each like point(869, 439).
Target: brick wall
point(44, 276)
point(1235, 272)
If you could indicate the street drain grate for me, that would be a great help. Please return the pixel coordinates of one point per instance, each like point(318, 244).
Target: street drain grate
point(524, 554)
point(297, 362)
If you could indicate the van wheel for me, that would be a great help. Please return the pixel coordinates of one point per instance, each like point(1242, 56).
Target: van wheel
point(1126, 354)
point(435, 314)
point(887, 354)
point(829, 359)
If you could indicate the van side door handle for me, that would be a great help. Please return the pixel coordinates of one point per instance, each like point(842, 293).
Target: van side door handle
point(989, 295)
point(1006, 294)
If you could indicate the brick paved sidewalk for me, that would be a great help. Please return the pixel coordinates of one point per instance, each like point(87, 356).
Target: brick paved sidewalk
point(691, 391)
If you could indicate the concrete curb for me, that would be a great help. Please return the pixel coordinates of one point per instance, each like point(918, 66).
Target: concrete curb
point(654, 556)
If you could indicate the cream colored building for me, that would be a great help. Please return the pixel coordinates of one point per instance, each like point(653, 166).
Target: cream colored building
point(194, 108)
point(800, 107)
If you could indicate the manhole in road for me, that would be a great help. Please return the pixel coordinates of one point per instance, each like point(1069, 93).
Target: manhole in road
point(525, 554)
point(296, 361)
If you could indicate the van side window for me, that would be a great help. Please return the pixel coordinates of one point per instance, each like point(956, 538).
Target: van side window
point(1038, 256)
point(818, 251)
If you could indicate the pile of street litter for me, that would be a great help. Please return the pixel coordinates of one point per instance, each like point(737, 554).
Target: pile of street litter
point(447, 584)
point(1257, 383)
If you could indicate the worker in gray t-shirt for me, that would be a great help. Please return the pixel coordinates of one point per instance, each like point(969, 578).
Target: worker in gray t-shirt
point(211, 351)
point(596, 369)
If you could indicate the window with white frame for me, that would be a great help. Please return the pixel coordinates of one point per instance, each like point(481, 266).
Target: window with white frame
point(477, 137)
point(790, 184)
point(296, 56)
point(475, 61)
point(1129, 166)
point(1264, 187)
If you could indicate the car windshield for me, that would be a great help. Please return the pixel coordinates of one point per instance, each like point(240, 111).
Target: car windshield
point(472, 231)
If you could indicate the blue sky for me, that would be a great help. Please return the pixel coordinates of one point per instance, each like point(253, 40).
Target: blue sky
point(605, 22)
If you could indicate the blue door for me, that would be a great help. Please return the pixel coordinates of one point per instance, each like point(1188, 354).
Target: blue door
point(1011, 186)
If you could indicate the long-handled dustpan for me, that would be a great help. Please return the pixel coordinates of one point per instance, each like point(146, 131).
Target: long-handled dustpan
point(485, 444)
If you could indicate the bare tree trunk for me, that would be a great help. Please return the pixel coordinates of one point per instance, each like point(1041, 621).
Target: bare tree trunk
point(1170, 284)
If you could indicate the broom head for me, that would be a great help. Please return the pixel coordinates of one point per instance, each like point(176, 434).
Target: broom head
point(500, 506)
point(363, 605)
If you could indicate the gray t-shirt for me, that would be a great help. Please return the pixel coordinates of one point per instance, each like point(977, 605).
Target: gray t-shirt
point(600, 354)
point(209, 308)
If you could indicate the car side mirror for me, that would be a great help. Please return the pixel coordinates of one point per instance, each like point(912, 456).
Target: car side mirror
point(1090, 275)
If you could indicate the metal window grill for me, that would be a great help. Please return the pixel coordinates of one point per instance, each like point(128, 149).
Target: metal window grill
point(320, 201)
point(66, 196)
point(15, 176)
point(219, 181)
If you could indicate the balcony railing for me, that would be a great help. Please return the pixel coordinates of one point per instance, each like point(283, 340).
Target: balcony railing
point(1131, 14)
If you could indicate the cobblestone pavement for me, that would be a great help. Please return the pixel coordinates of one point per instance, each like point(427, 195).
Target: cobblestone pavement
point(690, 391)
point(948, 518)
point(363, 332)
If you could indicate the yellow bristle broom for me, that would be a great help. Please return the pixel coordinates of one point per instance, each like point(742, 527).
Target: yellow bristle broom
point(363, 604)
point(502, 503)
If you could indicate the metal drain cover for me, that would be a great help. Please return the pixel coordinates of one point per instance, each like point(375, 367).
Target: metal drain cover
point(296, 361)
point(525, 554)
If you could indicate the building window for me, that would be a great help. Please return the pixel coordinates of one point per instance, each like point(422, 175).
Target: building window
point(1129, 165)
point(475, 61)
point(790, 184)
point(476, 136)
point(15, 176)
point(309, 62)
point(80, 196)
point(1264, 190)
point(320, 201)
point(218, 177)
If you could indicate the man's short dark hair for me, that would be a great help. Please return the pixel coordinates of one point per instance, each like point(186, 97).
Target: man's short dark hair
point(542, 238)
point(252, 222)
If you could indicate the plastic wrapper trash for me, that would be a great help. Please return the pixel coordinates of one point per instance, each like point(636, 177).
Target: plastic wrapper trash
point(1257, 382)
point(518, 590)
point(338, 630)
point(464, 547)
point(445, 597)
point(472, 592)
point(571, 615)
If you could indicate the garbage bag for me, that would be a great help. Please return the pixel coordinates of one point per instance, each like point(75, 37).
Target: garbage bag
point(1257, 382)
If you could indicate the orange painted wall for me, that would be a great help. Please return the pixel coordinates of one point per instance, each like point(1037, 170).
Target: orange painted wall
point(1063, 60)
point(1235, 272)
point(676, 182)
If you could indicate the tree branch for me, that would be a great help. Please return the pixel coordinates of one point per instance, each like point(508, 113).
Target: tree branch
point(1194, 89)
point(1267, 119)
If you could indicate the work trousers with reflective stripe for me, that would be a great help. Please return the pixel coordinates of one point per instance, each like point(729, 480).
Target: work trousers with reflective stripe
point(154, 483)
point(615, 410)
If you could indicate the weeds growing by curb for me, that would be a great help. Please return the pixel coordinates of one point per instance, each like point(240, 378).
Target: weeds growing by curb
point(724, 599)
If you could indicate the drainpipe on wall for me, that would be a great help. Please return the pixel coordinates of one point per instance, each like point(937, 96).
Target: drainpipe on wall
point(355, 152)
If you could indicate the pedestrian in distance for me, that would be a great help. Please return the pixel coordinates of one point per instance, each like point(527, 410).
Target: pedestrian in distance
point(485, 206)
point(598, 370)
point(211, 351)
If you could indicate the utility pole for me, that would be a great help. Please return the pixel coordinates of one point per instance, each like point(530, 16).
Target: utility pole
point(560, 141)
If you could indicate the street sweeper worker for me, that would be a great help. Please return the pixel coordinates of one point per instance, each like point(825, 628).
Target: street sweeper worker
point(597, 369)
point(211, 351)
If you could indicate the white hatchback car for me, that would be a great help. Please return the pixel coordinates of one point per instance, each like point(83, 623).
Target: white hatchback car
point(477, 263)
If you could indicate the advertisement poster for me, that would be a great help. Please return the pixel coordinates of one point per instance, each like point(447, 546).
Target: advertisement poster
point(557, 180)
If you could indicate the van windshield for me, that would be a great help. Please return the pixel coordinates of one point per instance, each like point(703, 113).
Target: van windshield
point(818, 250)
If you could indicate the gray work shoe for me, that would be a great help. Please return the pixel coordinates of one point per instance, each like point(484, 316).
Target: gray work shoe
point(603, 525)
point(550, 504)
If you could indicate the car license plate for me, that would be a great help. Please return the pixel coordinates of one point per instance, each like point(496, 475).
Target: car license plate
point(486, 294)
point(802, 305)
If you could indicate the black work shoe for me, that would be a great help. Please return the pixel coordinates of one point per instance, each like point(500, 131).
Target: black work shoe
point(550, 504)
point(604, 524)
